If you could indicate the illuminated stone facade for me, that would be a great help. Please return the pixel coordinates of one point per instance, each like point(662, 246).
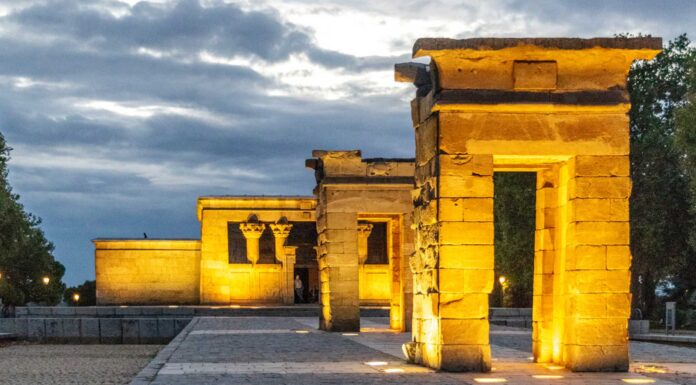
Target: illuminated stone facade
point(251, 247)
point(557, 107)
point(356, 197)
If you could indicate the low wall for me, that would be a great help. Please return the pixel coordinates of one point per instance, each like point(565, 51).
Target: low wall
point(304, 310)
point(94, 330)
point(147, 271)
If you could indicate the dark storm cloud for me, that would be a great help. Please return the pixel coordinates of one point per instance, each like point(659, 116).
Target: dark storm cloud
point(184, 30)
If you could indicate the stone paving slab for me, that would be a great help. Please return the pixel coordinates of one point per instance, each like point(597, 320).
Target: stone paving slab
point(275, 350)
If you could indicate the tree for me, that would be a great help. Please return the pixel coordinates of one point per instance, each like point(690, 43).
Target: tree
point(514, 224)
point(29, 271)
point(660, 216)
point(686, 141)
point(87, 293)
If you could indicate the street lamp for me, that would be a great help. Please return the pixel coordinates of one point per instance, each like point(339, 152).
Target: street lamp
point(76, 297)
point(502, 280)
point(46, 280)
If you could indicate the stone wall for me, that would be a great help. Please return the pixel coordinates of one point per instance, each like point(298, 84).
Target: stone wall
point(147, 271)
point(251, 282)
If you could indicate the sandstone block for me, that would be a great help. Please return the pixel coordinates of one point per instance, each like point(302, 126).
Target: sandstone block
point(464, 332)
point(598, 210)
point(600, 233)
point(451, 186)
point(462, 164)
point(466, 209)
point(463, 306)
point(465, 281)
point(465, 358)
point(600, 187)
point(618, 258)
point(466, 233)
point(602, 165)
point(466, 257)
point(597, 358)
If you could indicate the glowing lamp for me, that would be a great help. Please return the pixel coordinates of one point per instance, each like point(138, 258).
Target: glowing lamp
point(376, 363)
point(76, 297)
point(393, 370)
point(490, 380)
point(46, 280)
point(502, 279)
point(638, 380)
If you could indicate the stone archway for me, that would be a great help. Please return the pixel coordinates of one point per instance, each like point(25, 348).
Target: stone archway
point(557, 107)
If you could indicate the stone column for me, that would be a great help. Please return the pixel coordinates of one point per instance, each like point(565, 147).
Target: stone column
point(453, 265)
point(597, 267)
point(338, 270)
point(364, 230)
point(252, 232)
point(286, 256)
point(281, 231)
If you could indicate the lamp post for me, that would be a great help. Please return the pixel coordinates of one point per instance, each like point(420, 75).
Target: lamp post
point(46, 280)
point(503, 285)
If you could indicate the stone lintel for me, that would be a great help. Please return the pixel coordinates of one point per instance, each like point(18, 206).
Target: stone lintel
point(468, 96)
point(560, 43)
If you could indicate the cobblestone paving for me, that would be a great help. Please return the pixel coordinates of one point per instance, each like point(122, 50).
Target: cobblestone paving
point(25, 364)
point(238, 351)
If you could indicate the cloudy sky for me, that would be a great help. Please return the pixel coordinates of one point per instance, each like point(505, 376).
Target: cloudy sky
point(121, 113)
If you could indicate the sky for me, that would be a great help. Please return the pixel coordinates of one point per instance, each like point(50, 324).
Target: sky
point(121, 113)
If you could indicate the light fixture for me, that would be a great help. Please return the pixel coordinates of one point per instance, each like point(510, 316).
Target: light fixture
point(554, 367)
point(46, 280)
point(393, 370)
point(502, 279)
point(301, 331)
point(638, 380)
point(76, 297)
point(547, 376)
point(376, 363)
point(350, 334)
point(173, 306)
point(489, 380)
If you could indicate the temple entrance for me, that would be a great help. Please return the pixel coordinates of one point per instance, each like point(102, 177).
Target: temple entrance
point(556, 107)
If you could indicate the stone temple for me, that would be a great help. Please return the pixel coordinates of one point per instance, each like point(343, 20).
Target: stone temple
point(417, 234)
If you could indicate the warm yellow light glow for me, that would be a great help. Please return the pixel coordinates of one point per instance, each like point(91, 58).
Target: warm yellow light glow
point(638, 380)
point(393, 370)
point(376, 363)
point(173, 306)
point(547, 376)
point(301, 331)
point(46, 280)
point(0, 275)
point(554, 367)
point(650, 369)
point(490, 380)
point(123, 306)
point(76, 297)
point(350, 334)
point(235, 306)
point(502, 279)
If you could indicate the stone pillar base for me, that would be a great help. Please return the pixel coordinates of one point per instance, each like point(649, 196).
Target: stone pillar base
point(450, 358)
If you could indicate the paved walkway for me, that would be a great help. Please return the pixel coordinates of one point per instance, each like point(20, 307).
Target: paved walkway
point(268, 351)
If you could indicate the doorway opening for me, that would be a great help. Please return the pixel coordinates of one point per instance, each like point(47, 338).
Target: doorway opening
point(514, 212)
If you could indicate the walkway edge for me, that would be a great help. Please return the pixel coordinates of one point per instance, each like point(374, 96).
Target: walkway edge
point(148, 374)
